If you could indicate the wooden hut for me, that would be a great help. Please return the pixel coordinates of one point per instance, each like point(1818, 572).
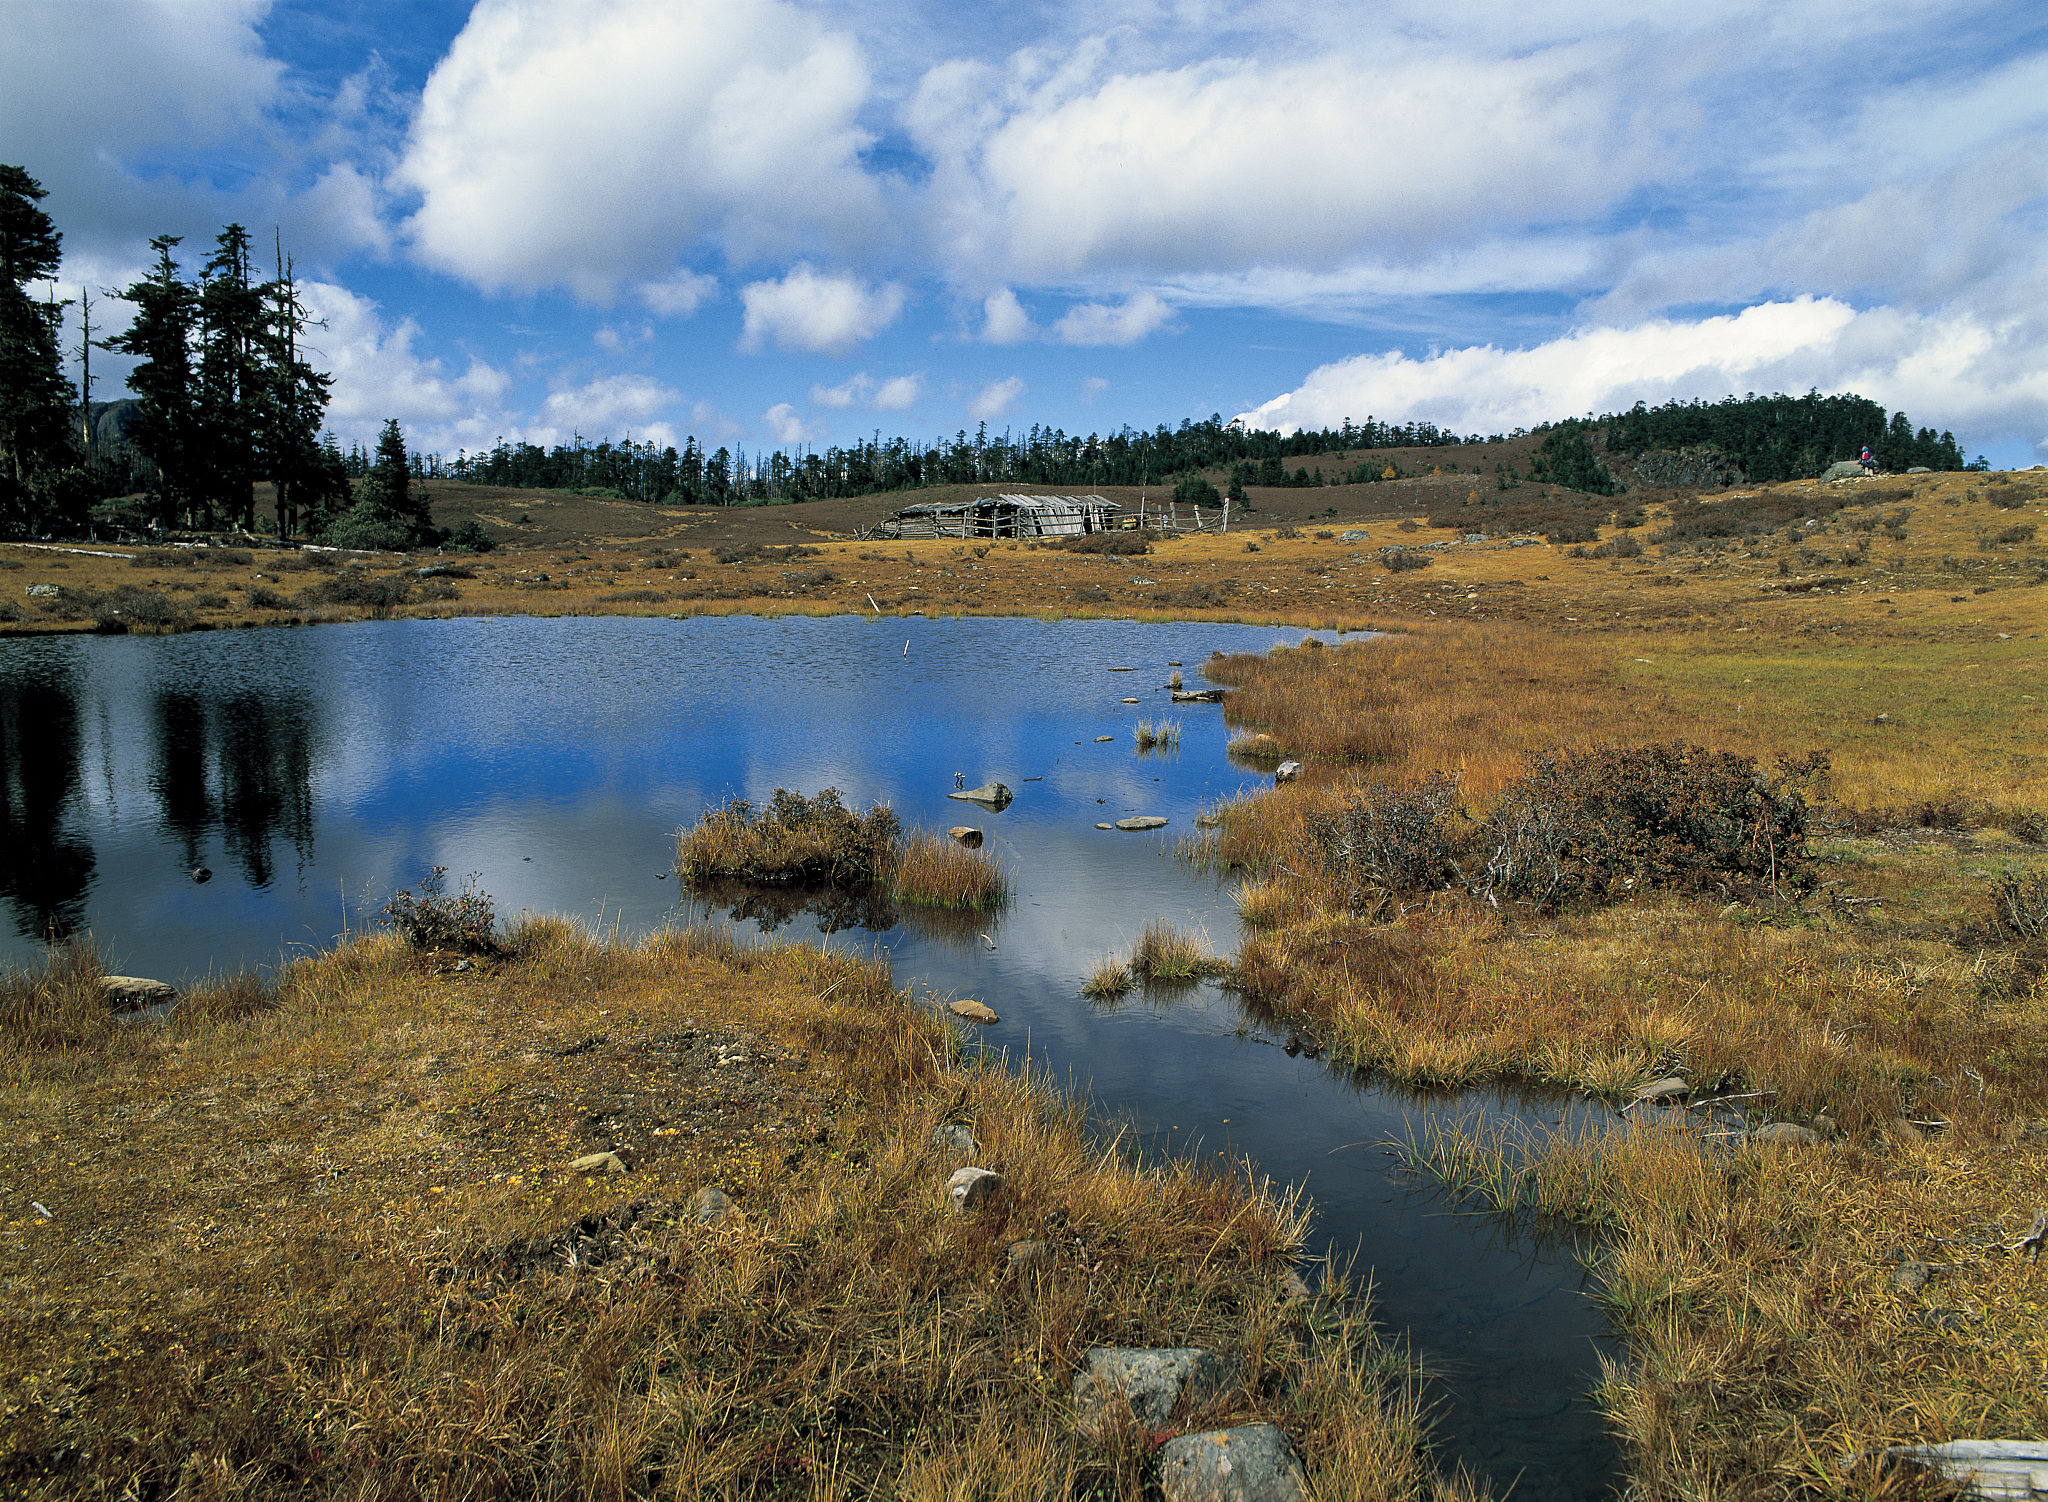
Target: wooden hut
point(1016, 516)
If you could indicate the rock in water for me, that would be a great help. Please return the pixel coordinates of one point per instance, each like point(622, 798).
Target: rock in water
point(1142, 821)
point(1663, 1090)
point(994, 794)
point(131, 993)
point(973, 1011)
point(971, 1188)
point(1251, 1463)
point(971, 838)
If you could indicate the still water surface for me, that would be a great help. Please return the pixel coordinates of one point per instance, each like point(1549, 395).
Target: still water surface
point(316, 771)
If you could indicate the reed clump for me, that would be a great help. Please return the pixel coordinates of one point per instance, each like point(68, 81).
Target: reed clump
point(1164, 736)
point(1165, 954)
point(1110, 979)
point(932, 870)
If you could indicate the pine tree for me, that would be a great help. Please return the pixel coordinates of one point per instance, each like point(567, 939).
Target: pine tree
point(35, 398)
point(166, 427)
point(235, 392)
point(390, 512)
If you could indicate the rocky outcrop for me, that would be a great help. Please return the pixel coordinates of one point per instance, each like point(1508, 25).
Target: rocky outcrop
point(1701, 468)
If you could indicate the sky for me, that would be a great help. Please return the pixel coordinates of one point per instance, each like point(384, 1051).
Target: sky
point(769, 224)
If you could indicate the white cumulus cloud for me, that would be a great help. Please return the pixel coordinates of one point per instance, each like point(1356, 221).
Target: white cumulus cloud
point(819, 312)
point(677, 296)
point(583, 146)
point(787, 426)
point(1004, 320)
point(995, 399)
point(1094, 323)
point(896, 394)
point(613, 406)
point(378, 375)
point(1949, 367)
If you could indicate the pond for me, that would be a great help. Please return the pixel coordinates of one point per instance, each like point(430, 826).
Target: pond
point(314, 772)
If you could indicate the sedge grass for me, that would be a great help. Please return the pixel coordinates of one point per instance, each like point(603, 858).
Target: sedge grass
point(1164, 954)
point(1110, 979)
point(932, 870)
point(1164, 736)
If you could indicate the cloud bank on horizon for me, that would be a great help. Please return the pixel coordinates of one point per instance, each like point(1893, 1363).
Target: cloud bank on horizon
point(647, 216)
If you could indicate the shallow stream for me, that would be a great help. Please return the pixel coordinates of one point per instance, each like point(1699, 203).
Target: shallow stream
point(314, 772)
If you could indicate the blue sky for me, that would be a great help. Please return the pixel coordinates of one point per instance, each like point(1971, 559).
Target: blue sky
point(768, 223)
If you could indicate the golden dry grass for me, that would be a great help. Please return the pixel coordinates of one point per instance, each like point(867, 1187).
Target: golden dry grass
point(933, 870)
point(329, 1245)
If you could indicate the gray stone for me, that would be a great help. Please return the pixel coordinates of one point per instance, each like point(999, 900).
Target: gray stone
point(1848, 469)
point(130, 993)
point(1912, 1277)
point(1287, 771)
point(1154, 1382)
point(971, 1188)
point(971, 838)
point(1358, 534)
point(598, 1163)
point(41, 591)
point(1198, 696)
point(1100, 739)
point(1789, 1131)
point(953, 1137)
point(1141, 821)
point(1105, 826)
point(1919, 469)
point(1665, 1089)
point(710, 1206)
point(973, 1011)
point(992, 793)
point(1252, 1463)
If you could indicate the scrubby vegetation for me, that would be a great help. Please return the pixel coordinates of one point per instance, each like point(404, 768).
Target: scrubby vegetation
point(819, 841)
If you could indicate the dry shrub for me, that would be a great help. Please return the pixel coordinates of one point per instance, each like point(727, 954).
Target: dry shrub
point(794, 839)
point(428, 918)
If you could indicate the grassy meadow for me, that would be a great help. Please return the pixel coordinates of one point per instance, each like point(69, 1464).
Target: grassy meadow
point(326, 1241)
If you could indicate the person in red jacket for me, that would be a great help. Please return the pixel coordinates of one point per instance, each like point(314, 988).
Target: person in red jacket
point(1868, 460)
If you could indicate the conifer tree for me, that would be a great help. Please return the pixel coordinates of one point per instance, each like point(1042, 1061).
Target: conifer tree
point(166, 427)
point(35, 398)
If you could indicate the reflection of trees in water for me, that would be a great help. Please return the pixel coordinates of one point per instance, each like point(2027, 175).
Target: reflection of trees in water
point(772, 906)
point(44, 871)
point(259, 749)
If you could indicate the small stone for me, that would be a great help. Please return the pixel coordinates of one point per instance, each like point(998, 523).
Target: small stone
point(1251, 1463)
point(992, 793)
point(971, 1188)
point(1912, 1277)
point(710, 1206)
point(953, 1137)
point(973, 1011)
point(1789, 1131)
point(1101, 738)
point(1287, 771)
point(1105, 826)
point(598, 1163)
point(1664, 1089)
point(1127, 701)
point(201, 874)
point(1141, 821)
point(966, 835)
point(129, 993)
point(41, 591)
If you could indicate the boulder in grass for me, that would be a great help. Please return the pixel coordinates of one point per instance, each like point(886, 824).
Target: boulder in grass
point(1251, 1463)
point(1154, 1382)
point(1848, 469)
point(971, 1188)
point(1287, 771)
point(598, 1163)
